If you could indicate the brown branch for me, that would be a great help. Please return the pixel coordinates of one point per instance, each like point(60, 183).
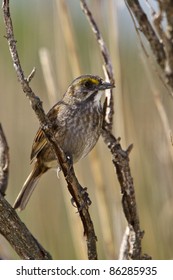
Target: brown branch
point(79, 194)
point(17, 234)
point(4, 162)
point(120, 157)
point(161, 43)
point(147, 29)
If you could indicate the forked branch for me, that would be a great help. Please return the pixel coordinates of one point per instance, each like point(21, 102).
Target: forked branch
point(77, 192)
point(120, 158)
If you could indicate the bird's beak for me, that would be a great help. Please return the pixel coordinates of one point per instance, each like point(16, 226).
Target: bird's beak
point(106, 85)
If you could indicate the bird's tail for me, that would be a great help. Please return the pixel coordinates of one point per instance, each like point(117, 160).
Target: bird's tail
point(28, 187)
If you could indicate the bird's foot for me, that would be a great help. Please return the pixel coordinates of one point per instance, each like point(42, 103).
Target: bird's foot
point(85, 202)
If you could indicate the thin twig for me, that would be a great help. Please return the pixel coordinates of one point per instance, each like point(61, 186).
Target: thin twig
point(109, 106)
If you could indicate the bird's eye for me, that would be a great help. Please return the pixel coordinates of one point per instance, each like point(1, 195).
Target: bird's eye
point(88, 84)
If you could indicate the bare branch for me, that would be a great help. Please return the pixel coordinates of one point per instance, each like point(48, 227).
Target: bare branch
point(79, 194)
point(121, 163)
point(17, 234)
point(148, 31)
point(160, 42)
point(4, 162)
point(109, 106)
point(120, 157)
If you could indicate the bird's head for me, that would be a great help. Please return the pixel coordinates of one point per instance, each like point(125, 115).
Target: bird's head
point(86, 86)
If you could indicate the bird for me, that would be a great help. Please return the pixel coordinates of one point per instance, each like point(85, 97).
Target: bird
point(77, 124)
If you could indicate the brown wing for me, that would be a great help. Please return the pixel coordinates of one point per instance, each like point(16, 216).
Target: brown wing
point(38, 144)
point(40, 140)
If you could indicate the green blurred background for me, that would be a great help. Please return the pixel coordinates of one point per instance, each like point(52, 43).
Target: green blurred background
point(56, 33)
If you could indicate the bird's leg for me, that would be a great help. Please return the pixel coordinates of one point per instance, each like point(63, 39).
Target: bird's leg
point(86, 199)
point(85, 195)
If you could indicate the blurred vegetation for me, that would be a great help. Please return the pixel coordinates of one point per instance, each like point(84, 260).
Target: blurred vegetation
point(42, 24)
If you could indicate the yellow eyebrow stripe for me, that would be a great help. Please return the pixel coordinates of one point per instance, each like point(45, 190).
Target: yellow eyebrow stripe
point(93, 81)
